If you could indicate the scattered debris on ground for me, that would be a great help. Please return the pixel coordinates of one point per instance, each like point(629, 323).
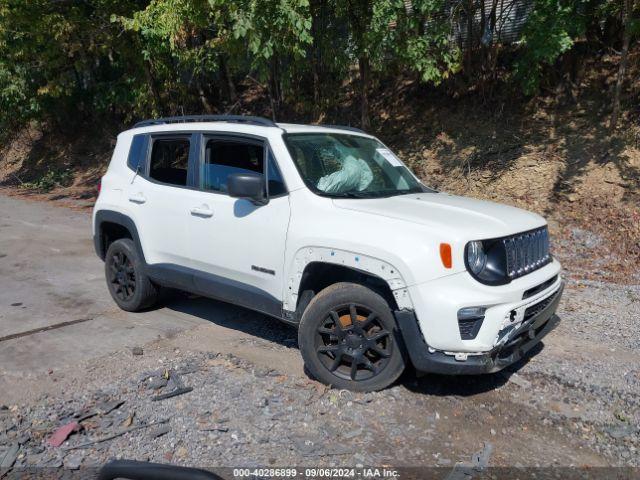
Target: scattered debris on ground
point(242, 414)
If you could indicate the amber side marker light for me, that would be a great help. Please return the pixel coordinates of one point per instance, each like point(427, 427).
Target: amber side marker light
point(445, 255)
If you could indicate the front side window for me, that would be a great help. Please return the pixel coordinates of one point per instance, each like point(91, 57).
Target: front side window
point(170, 161)
point(225, 157)
point(343, 165)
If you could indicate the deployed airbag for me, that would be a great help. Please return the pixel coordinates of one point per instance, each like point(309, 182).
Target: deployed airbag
point(354, 175)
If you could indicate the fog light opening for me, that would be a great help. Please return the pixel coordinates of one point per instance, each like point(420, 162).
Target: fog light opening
point(469, 321)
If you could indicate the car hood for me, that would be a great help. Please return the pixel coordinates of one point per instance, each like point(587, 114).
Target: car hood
point(463, 217)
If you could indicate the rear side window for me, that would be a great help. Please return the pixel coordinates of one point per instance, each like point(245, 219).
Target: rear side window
point(169, 161)
point(137, 152)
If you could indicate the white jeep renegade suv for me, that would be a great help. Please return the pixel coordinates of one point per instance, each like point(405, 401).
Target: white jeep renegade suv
point(323, 227)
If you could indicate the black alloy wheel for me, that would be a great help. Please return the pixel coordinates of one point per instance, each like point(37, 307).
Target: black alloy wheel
point(353, 344)
point(128, 283)
point(122, 276)
point(349, 338)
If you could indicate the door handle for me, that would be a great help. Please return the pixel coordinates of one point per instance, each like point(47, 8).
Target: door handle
point(202, 211)
point(138, 198)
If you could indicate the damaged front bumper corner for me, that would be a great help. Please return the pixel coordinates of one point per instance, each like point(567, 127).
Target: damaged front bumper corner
point(520, 341)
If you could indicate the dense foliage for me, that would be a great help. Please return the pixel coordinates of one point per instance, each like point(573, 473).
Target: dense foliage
point(67, 60)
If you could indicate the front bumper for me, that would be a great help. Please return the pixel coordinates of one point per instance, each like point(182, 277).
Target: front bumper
point(436, 304)
point(514, 346)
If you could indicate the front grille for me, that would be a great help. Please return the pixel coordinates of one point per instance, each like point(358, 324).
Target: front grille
point(534, 310)
point(527, 252)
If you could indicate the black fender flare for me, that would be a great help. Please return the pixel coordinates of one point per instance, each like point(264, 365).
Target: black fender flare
point(110, 216)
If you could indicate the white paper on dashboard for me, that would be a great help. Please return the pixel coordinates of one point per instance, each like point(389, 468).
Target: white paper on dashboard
point(389, 156)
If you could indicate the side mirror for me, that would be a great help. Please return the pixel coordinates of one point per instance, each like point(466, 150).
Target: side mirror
point(249, 186)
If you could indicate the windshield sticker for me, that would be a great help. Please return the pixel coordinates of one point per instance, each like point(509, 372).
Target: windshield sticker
point(389, 156)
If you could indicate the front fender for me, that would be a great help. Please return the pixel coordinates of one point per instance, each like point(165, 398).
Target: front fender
point(367, 264)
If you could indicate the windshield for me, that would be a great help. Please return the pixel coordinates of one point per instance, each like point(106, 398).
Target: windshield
point(343, 165)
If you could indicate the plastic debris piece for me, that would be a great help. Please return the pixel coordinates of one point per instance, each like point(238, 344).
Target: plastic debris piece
point(9, 457)
point(179, 389)
point(107, 407)
point(62, 433)
point(480, 460)
point(160, 431)
point(116, 435)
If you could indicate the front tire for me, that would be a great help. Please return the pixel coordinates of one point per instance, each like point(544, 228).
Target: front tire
point(128, 284)
point(349, 339)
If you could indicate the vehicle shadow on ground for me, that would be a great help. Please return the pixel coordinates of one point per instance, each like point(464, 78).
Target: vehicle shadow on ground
point(234, 317)
point(464, 385)
point(272, 330)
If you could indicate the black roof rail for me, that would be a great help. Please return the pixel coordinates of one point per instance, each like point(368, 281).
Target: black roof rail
point(264, 122)
point(344, 127)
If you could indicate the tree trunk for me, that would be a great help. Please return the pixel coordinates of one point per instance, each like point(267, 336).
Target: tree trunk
point(363, 64)
point(229, 88)
point(360, 14)
point(274, 87)
point(314, 7)
point(153, 86)
point(208, 109)
point(628, 7)
point(470, 39)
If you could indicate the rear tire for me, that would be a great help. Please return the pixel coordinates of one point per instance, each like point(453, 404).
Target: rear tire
point(128, 284)
point(349, 339)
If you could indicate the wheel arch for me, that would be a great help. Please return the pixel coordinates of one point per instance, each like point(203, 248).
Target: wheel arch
point(110, 226)
point(315, 268)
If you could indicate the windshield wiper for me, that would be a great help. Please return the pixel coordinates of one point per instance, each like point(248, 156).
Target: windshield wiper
point(346, 195)
point(374, 194)
point(385, 193)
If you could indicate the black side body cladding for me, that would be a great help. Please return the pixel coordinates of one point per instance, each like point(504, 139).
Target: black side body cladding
point(522, 340)
point(216, 287)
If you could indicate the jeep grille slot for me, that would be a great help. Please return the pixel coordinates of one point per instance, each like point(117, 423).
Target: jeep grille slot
point(527, 252)
point(539, 288)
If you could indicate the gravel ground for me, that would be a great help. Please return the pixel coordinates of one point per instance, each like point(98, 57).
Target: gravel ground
point(576, 402)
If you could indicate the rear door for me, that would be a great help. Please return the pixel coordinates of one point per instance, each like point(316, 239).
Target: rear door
point(236, 246)
point(158, 196)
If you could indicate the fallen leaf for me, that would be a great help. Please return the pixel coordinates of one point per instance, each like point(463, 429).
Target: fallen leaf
point(129, 420)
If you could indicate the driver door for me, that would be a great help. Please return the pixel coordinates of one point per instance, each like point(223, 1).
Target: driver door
point(237, 247)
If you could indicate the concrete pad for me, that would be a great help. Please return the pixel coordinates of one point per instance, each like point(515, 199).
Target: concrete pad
point(50, 274)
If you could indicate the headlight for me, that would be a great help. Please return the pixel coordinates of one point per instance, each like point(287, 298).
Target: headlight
point(486, 261)
point(476, 258)
point(497, 261)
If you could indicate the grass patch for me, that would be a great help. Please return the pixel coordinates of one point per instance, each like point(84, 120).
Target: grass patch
point(50, 180)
